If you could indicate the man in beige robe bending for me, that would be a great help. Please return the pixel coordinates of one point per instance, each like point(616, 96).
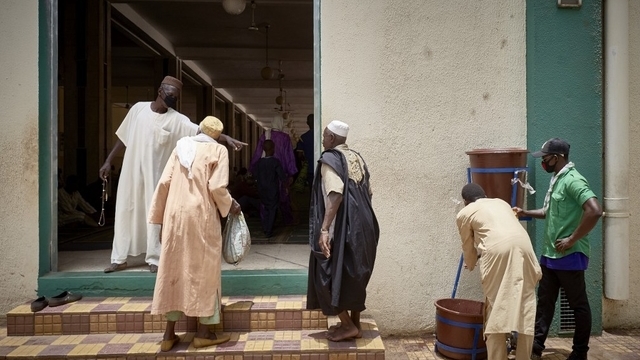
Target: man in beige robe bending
point(188, 202)
point(508, 268)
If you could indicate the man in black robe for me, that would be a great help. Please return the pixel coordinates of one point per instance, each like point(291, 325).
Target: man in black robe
point(343, 234)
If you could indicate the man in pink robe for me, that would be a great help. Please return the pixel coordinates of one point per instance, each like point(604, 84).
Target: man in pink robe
point(188, 202)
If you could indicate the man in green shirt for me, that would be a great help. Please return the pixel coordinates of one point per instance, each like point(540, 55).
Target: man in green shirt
point(571, 210)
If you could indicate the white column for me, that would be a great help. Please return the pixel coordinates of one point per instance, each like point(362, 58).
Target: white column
point(616, 150)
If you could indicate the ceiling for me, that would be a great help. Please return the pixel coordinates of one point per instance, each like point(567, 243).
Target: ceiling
point(221, 45)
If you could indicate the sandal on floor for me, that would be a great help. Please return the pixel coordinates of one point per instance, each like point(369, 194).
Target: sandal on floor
point(203, 342)
point(115, 267)
point(167, 345)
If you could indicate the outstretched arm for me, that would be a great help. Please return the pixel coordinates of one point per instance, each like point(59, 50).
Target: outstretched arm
point(537, 213)
point(233, 143)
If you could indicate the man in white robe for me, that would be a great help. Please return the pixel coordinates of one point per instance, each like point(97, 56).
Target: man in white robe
point(508, 267)
point(149, 133)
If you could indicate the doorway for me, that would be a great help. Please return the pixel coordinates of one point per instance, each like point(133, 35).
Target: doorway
point(111, 56)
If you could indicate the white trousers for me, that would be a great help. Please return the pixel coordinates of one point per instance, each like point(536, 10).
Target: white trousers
point(122, 247)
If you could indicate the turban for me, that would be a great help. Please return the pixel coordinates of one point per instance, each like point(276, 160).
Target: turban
point(211, 126)
point(277, 123)
point(170, 80)
point(339, 128)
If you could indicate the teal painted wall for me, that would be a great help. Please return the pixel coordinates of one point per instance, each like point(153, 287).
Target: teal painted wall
point(46, 99)
point(138, 283)
point(564, 99)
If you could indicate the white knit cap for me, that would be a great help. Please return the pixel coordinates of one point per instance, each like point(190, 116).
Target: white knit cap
point(339, 128)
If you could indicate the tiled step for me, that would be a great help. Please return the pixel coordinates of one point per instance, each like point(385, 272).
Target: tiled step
point(255, 345)
point(132, 315)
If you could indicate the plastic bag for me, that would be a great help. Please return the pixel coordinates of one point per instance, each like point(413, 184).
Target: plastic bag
point(236, 239)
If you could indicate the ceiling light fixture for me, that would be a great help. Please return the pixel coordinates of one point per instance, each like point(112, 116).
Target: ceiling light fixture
point(253, 26)
point(279, 98)
point(267, 72)
point(285, 107)
point(234, 7)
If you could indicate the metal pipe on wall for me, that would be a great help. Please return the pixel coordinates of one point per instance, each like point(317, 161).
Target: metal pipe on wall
point(616, 150)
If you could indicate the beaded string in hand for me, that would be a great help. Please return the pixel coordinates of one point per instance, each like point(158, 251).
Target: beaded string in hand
point(105, 197)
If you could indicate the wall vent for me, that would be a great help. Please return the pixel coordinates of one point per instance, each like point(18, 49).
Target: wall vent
point(567, 323)
point(569, 3)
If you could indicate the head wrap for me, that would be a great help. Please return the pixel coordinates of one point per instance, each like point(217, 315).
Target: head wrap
point(277, 123)
point(339, 128)
point(211, 126)
point(170, 80)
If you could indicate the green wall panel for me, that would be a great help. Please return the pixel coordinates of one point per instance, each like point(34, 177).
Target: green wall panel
point(564, 99)
point(47, 60)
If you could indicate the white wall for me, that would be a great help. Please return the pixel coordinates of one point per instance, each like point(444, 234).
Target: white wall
point(18, 152)
point(625, 313)
point(420, 82)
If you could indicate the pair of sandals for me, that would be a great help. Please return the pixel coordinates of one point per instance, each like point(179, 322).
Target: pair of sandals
point(198, 343)
point(65, 297)
point(118, 267)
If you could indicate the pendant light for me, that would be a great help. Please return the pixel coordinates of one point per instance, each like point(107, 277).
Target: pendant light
point(267, 72)
point(234, 7)
point(279, 98)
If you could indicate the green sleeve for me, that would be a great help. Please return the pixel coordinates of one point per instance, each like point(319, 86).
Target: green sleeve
point(579, 190)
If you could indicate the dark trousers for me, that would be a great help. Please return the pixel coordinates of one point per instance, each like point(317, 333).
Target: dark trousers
point(268, 213)
point(575, 289)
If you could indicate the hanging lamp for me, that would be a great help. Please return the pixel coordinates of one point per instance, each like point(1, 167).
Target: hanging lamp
point(234, 7)
point(279, 98)
point(267, 72)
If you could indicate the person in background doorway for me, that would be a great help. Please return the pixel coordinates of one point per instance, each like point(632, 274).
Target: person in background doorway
point(269, 175)
point(188, 202)
point(149, 132)
point(571, 210)
point(246, 191)
point(306, 145)
point(343, 233)
point(508, 268)
point(72, 207)
point(284, 153)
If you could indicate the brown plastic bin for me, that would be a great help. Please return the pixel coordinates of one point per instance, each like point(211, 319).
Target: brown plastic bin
point(459, 332)
point(496, 182)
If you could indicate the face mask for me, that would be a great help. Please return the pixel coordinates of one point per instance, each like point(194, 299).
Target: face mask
point(548, 167)
point(171, 101)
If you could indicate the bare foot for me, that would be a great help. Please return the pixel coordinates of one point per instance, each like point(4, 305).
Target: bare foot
point(332, 329)
point(343, 333)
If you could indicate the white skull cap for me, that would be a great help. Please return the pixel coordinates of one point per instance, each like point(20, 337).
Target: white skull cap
point(339, 128)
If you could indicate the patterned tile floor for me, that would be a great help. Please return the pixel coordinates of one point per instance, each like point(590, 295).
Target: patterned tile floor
point(301, 344)
point(250, 332)
point(131, 315)
point(611, 345)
